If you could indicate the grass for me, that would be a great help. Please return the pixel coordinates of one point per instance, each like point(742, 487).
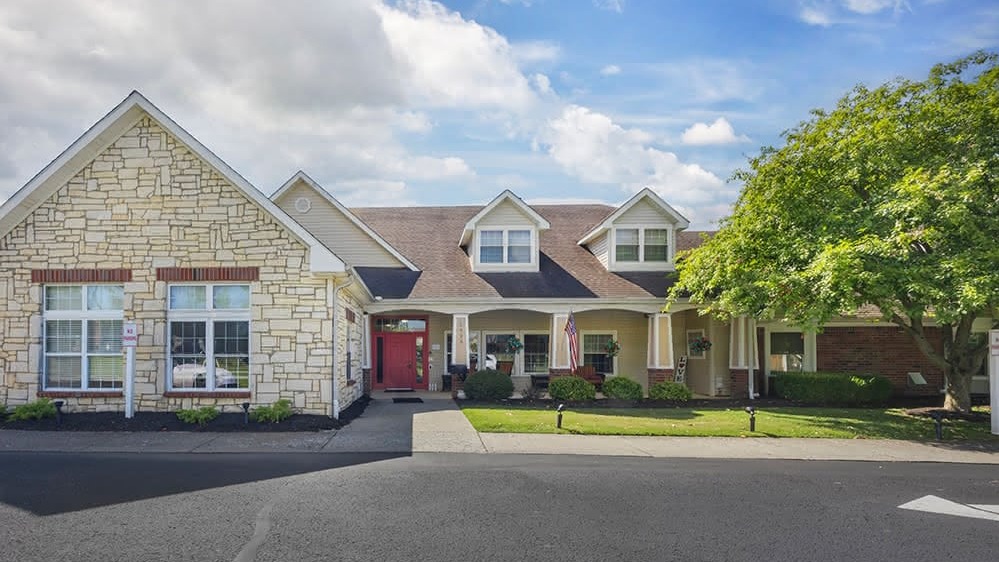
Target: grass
point(846, 423)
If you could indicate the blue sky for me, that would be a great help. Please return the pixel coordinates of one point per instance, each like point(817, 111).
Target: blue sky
point(434, 103)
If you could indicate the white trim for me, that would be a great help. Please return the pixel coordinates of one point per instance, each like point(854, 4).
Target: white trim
point(105, 132)
point(84, 316)
point(540, 222)
point(808, 356)
point(209, 315)
point(613, 264)
point(314, 185)
point(679, 221)
point(474, 305)
point(686, 343)
point(479, 266)
point(522, 368)
point(516, 370)
point(582, 347)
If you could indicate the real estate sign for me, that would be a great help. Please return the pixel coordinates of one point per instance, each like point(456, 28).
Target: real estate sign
point(994, 378)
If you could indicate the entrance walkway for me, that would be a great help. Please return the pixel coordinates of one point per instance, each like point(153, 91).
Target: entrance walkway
point(433, 425)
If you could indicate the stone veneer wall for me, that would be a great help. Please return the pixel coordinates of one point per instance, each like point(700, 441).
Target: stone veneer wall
point(148, 202)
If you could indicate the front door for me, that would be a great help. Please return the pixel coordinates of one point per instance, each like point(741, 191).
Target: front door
point(401, 365)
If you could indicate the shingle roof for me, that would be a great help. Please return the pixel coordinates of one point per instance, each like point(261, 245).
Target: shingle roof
point(427, 236)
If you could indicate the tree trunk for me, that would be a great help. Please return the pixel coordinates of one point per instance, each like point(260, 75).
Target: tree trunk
point(958, 393)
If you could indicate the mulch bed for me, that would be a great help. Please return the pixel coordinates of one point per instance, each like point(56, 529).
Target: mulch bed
point(168, 421)
point(934, 411)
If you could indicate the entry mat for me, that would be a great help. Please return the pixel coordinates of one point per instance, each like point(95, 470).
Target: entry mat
point(409, 400)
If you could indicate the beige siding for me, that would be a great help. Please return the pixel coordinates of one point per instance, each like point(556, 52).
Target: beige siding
point(148, 202)
point(335, 230)
point(643, 213)
point(506, 214)
point(600, 248)
point(632, 331)
point(699, 370)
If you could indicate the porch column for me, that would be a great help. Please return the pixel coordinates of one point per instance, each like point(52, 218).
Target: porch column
point(460, 352)
point(660, 348)
point(559, 364)
point(742, 356)
point(366, 352)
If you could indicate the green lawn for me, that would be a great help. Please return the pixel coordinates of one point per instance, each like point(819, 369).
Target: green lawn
point(706, 422)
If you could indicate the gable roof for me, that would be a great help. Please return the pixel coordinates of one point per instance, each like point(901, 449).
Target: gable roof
point(566, 270)
point(301, 176)
point(644, 194)
point(507, 195)
point(104, 133)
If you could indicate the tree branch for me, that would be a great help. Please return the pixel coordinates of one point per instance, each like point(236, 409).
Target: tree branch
point(916, 331)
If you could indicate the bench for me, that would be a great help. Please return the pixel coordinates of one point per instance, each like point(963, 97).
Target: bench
point(588, 374)
point(539, 381)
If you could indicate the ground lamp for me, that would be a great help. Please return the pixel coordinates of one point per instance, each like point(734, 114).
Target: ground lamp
point(752, 417)
point(58, 405)
point(938, 423)
point(246, 412)
point(560, 409)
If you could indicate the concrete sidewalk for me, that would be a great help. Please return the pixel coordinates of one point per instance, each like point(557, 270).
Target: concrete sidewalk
point(438, 426)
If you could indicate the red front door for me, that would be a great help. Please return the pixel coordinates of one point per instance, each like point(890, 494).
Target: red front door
point(401, 361)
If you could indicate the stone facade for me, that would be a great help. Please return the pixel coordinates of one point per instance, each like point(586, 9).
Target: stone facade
point(148, 202)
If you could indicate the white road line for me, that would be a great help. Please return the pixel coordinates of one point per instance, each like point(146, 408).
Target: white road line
point(934, 504)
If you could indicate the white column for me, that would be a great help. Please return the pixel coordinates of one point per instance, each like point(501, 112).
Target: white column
point(660, 341)
point(460, 352)
point(560, 342)
point(366, 352)
point(994, 378)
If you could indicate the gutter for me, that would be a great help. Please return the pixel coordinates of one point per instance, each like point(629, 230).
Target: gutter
point(334, 290)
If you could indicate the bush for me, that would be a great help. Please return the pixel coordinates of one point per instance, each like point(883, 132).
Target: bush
point(623, 388)
point(571, 388)
point(675, 391)
point(488, 384)
point(847, 389)
point(37, 410)
point(201, 416)
point(276, 412)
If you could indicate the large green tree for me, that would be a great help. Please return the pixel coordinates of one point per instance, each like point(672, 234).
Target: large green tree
point(890, 200)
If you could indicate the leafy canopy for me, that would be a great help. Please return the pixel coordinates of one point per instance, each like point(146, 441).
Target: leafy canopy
point(889, 199)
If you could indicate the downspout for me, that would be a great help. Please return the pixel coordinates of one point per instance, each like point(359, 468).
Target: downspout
point(334, 290)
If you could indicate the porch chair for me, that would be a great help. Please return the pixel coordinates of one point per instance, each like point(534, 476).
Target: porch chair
point(591, 375)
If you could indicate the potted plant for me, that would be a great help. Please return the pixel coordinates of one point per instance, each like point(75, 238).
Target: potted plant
point(700, 345)
point(514, 345)
point(612, 348)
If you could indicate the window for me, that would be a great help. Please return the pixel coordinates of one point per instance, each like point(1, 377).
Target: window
point(695, 344)
point(787, 351)
point(635, 245)
point(83, 337)
point(497, 347)
point(506, 246)
point(595, 352)
point(536, 353)
point(209, 337)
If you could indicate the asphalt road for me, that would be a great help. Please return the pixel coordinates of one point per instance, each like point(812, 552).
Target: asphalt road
point(58, 506)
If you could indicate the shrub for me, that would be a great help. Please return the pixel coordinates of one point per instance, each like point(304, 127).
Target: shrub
point(623, 388)
point(488, 384)
point(37, 410)
point(846, 389)
point(571, 388)
point(201, 416)
point(276, 412)
point(667, 390)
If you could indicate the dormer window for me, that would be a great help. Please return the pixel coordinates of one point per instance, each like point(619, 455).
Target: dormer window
point(505, 246)
point(641, 245)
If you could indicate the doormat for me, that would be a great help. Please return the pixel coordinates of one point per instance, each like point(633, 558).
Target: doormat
point(413, 400)
point(398, 390)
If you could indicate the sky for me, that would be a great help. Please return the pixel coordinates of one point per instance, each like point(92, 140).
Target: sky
point(417, 102)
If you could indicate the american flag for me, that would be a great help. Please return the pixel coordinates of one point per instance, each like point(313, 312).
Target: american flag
point(570, 330)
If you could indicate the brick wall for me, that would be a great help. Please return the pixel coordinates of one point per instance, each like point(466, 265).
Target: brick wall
point(885, 350)
point(739, 383)
point(659, 375)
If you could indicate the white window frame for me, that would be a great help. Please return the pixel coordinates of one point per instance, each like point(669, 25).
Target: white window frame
point(83, 316)
point(642, 264)
point(809, 358)
point(522, 368)
point(505, 265)
point(582, 347)
point(209, 315)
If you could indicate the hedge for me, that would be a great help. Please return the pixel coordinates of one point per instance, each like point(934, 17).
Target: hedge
point(488, 384)
point(846, 389)
point(571, 388)
point(668, 390)
point(622, 388)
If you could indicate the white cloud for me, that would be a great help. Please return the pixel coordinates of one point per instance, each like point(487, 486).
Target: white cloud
point(610, 5)
point(590, 146)
point(872, 6)
point(719, 132)
point(709, 80)
point(610, 70)
point(815, 16)
point(535, 51)
point(542, 84)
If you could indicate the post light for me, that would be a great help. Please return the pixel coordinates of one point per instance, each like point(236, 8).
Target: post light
point(938, 423)
point(58, 405)
point(246, 412)
point(752, 417)
point(560, 409)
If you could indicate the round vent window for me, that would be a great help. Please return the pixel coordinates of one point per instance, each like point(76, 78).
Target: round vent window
point(302, 205)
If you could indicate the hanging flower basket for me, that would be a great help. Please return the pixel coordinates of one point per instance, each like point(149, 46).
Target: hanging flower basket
point(700, 345)
point(612, 348)
point(514, 345)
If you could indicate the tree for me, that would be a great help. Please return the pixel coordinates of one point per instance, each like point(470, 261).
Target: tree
point(890, 200)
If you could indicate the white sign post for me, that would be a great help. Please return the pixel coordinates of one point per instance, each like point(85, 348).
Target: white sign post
point(129, 339)
point(994, 379)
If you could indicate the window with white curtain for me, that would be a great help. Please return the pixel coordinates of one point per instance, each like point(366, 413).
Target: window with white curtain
point(82, 339)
